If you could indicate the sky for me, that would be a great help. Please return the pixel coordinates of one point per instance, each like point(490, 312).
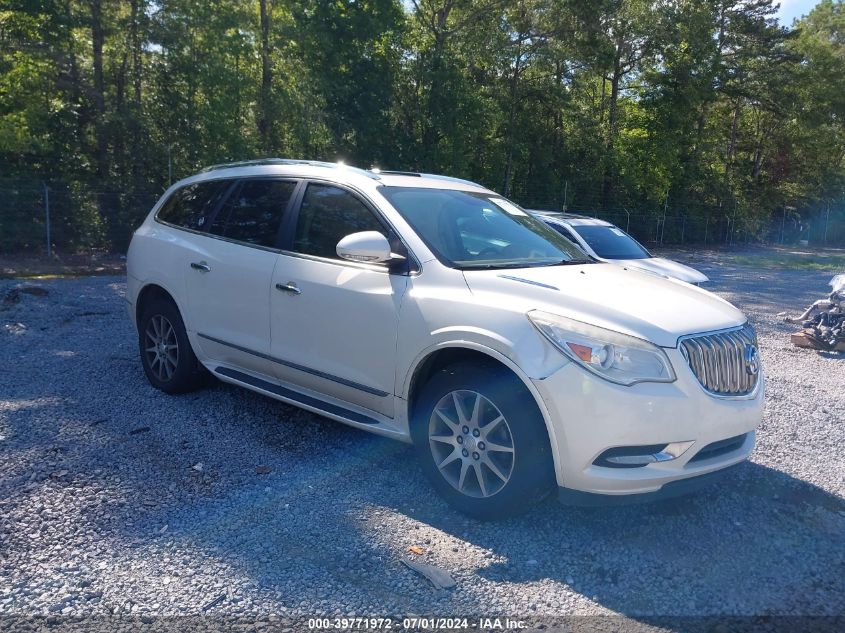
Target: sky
point(791, 9)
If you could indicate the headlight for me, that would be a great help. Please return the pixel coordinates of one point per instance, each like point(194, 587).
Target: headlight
point(619, 358)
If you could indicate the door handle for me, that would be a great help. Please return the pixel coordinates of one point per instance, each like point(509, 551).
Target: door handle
point(201, 266)
point(289, 287)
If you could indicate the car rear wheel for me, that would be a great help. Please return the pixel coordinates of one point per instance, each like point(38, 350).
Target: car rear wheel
point(482, 441)
point(166, 354)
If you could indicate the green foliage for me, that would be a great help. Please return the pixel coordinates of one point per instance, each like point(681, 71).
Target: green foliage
point(698, 108)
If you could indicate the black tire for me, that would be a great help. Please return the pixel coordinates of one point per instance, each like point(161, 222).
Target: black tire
point(531, 474)
point(183, 372)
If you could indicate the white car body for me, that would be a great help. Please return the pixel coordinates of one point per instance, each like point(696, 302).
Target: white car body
point(348, 343)
point(657, 265)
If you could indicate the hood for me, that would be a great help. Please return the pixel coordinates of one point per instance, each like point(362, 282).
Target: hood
point(630, 301)
point(666, 267)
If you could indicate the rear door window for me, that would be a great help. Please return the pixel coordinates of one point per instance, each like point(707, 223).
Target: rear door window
point(254, 211)
point(191, 207)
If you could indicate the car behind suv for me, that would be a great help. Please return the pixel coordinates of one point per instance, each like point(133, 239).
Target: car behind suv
point(434, 311)
point(608, 243)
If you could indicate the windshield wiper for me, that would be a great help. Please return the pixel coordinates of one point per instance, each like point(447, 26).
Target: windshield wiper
point(559, 262)
point(493, 266)
point(510, 265)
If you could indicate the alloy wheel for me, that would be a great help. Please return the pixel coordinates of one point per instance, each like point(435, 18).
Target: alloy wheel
point(161, 347)
point(471, 443)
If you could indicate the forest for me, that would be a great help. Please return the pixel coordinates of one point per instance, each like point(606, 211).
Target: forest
point(709, 111)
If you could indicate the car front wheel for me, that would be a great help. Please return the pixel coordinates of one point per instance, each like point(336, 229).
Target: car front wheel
point(482, 440)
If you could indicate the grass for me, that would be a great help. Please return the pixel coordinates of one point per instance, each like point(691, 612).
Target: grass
point(784, 259)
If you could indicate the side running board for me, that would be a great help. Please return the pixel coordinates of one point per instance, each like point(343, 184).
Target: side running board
point(295, 397)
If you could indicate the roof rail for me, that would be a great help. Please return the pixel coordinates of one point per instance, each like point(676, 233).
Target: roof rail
point(394, 172)
point(375, 174)
point(288, 161)
point(415, 174)
point(451, 179)
point(563, 215)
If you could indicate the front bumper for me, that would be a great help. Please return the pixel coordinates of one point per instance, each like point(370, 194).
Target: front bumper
point(670, 490)
point(588, 416)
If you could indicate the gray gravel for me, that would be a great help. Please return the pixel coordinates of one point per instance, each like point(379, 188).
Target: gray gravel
point(118, 499)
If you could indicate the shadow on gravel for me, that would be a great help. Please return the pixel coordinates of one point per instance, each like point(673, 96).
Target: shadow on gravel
point(763, 291)
point(341, 507)
point(833, 355)
point(761, 542)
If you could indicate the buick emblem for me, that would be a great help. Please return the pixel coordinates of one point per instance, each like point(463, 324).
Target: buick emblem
point(752, 360)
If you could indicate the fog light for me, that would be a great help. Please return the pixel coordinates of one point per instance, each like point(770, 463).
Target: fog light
point(640, 456)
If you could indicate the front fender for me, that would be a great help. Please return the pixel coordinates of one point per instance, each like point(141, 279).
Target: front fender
point(504, 359)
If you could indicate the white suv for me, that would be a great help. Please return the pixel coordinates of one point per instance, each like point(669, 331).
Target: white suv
point(432, 310)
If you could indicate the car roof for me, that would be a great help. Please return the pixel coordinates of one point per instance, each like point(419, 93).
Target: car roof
point(573, 219)
point(339, 172)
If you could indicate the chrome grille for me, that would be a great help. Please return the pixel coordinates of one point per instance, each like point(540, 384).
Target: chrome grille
point(719, 361)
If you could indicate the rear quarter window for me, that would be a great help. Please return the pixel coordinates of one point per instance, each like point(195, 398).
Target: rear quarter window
point(191, 206)
point(254, 212)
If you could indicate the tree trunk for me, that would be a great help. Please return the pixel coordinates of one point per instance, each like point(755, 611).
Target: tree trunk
point(613, 107)
point(97, 40)
point(118, 147)
point(514, 88)
point(72, 84)
point(265, 118)
point(557, 144)
point(759, 150)
point(729, 159)
point(137, 8)
point(135, 43)
point(734, 133)
point(431, 135)
point(612, 124)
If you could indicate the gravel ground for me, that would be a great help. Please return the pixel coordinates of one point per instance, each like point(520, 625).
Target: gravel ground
point(118, 499)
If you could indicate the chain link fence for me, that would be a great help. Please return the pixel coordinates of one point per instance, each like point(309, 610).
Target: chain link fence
point(818, 228)
point(38, 217)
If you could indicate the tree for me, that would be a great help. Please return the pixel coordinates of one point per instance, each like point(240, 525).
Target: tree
point(694, 108)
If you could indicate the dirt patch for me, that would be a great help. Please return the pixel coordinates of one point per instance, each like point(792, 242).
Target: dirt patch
point(28, 266)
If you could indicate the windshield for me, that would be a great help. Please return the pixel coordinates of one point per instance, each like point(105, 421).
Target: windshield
point(474, 230)
point(610, 242)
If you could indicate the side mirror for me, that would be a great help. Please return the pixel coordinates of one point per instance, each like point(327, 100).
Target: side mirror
point(367, 246)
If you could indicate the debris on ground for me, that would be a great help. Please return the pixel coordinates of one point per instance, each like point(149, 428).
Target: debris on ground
point(35, 291)
point(823, 322)
point(263, 470)
point(415, 549)
point(13, 296)
point(440, 578)
point(213, 603)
